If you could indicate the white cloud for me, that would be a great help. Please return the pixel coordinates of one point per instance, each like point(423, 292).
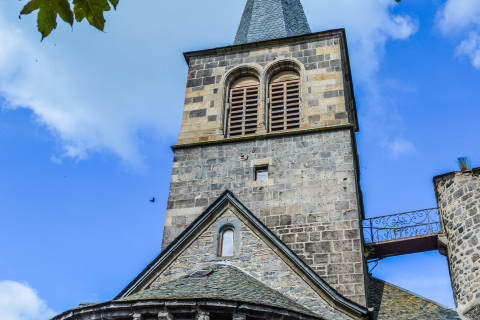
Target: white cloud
point(18, 301)
point(87, 95)
point(460, 16)
point(30, 79)
point(399, 147)
point(471, 48)
point(101, 93)
point(369, 26)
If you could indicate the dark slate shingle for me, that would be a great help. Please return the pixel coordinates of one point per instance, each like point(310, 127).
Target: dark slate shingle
point(224, 283)
point(271, 19)
point(392, 302)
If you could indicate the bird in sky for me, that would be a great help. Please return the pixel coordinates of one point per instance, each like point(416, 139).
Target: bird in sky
point(153, 200)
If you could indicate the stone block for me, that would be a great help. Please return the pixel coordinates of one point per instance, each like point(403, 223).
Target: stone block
point(198, 113)
point(319, 247)
point(321, 258)
point(332, 235)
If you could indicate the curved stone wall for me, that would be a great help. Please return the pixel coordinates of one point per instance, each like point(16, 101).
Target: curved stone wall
point(179, 309)
point(458, 198)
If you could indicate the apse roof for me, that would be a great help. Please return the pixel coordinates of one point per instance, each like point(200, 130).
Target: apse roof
point(220, 282)
point(271, 19)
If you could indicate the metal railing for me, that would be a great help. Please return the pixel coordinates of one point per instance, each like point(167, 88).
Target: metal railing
point(401, 226)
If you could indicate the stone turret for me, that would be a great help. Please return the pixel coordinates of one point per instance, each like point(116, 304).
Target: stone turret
point(458, 198)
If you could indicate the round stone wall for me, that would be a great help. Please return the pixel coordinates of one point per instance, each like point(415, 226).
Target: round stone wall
point(458, 198)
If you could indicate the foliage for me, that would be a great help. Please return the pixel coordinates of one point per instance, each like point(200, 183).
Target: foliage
point(369, 250)
point(463, 163)
point(48, 10)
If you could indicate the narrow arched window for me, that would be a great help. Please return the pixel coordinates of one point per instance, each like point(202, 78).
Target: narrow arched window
point(227, 243)
point(285, 101)
point(243, 117)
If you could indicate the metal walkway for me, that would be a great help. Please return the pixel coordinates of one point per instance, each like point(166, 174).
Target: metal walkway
point(402, 233)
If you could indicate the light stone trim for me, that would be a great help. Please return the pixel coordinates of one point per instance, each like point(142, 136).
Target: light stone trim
point(260, 162)
point(221, 225)
point(324, 102)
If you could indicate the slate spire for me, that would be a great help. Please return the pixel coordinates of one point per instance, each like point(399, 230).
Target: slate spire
point(271, 19)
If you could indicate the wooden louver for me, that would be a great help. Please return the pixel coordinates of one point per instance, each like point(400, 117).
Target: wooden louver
point(243, 111)
point(285, 105)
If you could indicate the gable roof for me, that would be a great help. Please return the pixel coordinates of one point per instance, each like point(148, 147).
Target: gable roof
point(392, 302)
point(221, 282)
point(271, 19)
point(188, 236)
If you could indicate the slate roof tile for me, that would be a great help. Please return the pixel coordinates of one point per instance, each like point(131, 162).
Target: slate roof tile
point(392, 302)
point(226, 282)
point(271, 19)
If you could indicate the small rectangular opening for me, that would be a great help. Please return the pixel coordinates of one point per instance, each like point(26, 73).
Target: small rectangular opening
point(261, 173)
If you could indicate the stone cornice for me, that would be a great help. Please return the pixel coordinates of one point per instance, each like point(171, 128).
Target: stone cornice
point(264, 136)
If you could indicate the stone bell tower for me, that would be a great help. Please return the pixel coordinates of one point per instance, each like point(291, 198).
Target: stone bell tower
point(272, 119)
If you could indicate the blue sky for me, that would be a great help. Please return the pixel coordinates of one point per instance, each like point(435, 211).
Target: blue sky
point(87, 119)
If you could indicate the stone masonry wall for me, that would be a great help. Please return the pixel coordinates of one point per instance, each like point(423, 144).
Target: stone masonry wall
point(310, 200)
point(322, 86)
point(458, 197)
point(254, 258)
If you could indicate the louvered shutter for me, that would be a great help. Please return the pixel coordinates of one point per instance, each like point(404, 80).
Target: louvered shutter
point(243, 111)
point(285, 105)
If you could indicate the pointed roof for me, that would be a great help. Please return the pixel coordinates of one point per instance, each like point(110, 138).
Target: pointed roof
point(197, 227)
point(271, 19)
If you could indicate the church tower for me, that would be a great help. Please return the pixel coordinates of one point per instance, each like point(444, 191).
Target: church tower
point(272, 119)
point(264, 216)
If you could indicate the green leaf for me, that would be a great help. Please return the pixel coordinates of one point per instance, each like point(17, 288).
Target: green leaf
point(47, 18)
point(49, 9)
point(114, 3)
point(47, 14)
point(64, 11)
point(92, 10)
point(30, 7)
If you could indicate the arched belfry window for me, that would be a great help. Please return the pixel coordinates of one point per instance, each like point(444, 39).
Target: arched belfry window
point(285, 101)
point(226, 249)
point(243, 117)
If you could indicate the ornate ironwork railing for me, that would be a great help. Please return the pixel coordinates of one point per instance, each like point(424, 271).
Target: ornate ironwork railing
point(402, 225)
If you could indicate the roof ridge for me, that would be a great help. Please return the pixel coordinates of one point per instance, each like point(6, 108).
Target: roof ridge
point(215, 287)
point(412, 293)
